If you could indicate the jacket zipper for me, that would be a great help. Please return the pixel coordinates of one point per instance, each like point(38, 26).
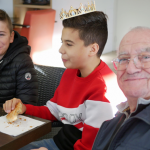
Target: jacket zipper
point(123, 125)
point(115, 131)
point(1, 61)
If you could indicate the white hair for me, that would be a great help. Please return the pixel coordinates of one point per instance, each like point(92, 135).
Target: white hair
point(138, 28)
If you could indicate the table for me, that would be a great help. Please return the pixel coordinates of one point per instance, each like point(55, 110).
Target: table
point(14, 143)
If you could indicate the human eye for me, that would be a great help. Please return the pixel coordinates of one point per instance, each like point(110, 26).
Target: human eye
point(1, 34)
point(122, 60)
point(145, 57)
point(68, 44)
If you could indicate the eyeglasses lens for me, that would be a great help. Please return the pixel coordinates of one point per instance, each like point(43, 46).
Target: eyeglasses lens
point(140, 61)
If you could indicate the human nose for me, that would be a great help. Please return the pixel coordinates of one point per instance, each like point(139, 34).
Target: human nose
point(132, 66)
point(61, 50)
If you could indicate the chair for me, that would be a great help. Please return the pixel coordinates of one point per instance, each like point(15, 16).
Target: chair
point(38, 28)
point(49, 78)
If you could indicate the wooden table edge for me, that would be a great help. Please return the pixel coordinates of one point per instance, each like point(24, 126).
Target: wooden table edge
point(20, 141)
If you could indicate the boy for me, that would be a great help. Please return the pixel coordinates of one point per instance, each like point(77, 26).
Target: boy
point(79, 101)
point(17, 74)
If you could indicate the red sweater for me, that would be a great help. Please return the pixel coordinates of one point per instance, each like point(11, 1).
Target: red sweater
point(79, 102)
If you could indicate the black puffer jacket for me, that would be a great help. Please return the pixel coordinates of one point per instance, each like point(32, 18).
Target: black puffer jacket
point(17, 74)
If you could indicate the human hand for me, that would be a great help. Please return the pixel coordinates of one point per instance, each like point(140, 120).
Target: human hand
point(9, 105)
point(41, 148)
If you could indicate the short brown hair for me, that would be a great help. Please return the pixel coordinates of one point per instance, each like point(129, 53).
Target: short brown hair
point(92, 28)
point(4, 17)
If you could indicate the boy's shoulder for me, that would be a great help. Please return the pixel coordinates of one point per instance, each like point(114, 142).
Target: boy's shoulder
point(105, 70)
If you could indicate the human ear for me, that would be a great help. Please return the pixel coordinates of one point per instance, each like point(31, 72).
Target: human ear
point(12, 37)
point(94, 49)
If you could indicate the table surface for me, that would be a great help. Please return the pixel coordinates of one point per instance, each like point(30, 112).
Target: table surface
point(14, 143)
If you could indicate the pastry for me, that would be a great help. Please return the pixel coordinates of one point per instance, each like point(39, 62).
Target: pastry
point(12, 116)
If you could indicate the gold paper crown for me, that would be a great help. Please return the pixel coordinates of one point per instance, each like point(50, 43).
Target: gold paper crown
point(76, 12)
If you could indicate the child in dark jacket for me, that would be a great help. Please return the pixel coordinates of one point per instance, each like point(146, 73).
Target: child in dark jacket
point(17, 74)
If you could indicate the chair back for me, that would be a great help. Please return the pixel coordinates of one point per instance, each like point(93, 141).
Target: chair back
point(49, 79)
point(40, 32)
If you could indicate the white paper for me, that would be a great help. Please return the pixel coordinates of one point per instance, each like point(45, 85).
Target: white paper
point(23, 124)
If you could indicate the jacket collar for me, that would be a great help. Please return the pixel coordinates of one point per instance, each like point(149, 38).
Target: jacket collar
point(142, 110)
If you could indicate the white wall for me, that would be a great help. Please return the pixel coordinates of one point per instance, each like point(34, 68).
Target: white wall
point(7, 5)
point(131, 13)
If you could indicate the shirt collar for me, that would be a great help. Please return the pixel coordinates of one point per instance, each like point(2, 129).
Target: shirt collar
point(124, 106)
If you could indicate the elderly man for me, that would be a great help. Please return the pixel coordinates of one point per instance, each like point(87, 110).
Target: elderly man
point(130, 129)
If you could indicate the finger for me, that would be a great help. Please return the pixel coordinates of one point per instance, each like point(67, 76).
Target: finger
point(41, 148)
point(8, 106)
point(4, 107)
point(15, 101)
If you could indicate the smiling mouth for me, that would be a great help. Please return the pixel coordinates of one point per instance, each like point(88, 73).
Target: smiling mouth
point(64, 60)
point(135, 79)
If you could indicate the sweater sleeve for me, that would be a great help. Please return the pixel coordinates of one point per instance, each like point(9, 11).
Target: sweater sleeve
point(45, 112)
point(39, 111)
point(26, 81)
point(97, 111)
point(52, 104)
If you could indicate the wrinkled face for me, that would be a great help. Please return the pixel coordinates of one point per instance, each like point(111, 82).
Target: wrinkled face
point(135, 82)
point(74, 53)
point(5, 38)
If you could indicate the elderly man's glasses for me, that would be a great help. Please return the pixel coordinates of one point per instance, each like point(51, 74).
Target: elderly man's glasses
point(140, 61)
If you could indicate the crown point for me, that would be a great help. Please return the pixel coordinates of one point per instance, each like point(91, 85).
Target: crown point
point(76, 12)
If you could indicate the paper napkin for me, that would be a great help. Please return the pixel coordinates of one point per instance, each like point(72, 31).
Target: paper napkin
point(23, 124)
